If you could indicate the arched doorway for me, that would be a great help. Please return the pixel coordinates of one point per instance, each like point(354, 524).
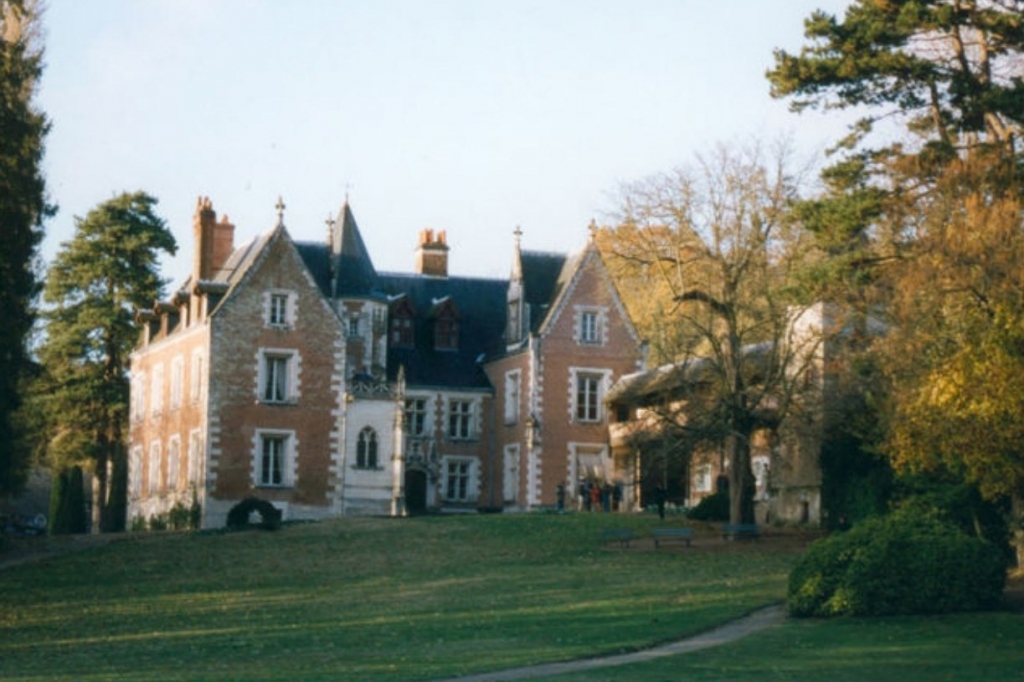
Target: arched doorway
point(415, 491)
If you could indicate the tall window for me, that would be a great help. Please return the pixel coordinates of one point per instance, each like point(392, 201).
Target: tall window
point(401, 331)
point(154, 468)
point(702, 479)
point(457, 480)
point(415, 416)
point(272, 460)
point(460, 419)
point(588, 327)
point(137, 396)
point(353, 326)
point(446, 333)
point(135, 472)
point(173, 462)
point(278, 309)
point(514, 330)
point(156, 398)
point(512, 392)
point(588, 397)
point(194, 447)
point(196, 377)
point(366, 449)
point(275, 378)
point(177, 381)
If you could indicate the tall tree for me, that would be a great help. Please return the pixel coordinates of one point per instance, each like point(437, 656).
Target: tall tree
point(924, 223)
point(711, 241)
point(23, 207)
point(98, 279)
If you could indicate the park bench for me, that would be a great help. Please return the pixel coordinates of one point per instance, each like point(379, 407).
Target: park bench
point(670, 534)
point(623, 536)
point(741, 531)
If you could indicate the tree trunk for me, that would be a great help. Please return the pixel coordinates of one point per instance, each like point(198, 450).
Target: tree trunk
point(741, 479)
point(1017, 526)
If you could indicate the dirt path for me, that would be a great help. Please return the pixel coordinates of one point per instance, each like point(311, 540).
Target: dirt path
point(730, 632)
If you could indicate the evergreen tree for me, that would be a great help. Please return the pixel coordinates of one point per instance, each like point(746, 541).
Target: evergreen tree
point(97, 281)
point(924, 228)
point(23, 207)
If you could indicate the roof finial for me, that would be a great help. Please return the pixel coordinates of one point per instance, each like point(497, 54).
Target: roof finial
point(330, 228)
point(593, 229)
point(518, 233)
point(280, 210)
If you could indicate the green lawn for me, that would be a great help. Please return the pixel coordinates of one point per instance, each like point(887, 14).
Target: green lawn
point(961, 648)
point(367, 599)
point(430, 598)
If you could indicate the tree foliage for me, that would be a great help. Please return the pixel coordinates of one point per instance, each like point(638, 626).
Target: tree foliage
point(99, 278)
point(922, 222)
point(23, 207)
point(708, 256)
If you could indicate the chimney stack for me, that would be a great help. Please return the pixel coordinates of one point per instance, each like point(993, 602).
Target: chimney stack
point(214, 241)
point(432, 254)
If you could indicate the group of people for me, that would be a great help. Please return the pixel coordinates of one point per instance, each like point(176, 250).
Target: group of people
point(594, 495)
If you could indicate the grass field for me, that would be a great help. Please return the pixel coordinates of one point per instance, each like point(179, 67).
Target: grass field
point(368, 599)
point(430, 598)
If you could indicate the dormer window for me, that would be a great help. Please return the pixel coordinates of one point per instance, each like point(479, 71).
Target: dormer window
point(353, 326)
point(446, 325)
point(400, 332)
point(590, 325)
point(515, 331)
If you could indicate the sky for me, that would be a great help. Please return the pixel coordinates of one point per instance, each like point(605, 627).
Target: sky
point(470, 116)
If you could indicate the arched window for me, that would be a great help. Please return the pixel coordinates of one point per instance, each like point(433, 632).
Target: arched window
point(366, 449)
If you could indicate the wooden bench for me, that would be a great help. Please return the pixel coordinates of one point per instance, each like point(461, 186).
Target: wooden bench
point(741, 531)
point(669, 534)
point(623, 536)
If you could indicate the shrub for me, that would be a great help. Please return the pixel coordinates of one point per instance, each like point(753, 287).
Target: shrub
point(712, 508)
point(904, 563)
point(238, 517)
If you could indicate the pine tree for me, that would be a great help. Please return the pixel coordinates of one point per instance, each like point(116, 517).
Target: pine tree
point(23, 207)
point(98, 279)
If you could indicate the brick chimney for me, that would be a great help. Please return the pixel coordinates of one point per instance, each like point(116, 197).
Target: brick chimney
point(214, 241)
point(432, 254)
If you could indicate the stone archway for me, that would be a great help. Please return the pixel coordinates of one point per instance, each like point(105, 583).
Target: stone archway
point(415, 491)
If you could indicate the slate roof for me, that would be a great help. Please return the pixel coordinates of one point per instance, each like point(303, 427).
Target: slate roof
point(356, 274)
point(480, 304)
point(544, 277)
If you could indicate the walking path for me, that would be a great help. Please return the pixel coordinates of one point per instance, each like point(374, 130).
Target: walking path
point(730, 632)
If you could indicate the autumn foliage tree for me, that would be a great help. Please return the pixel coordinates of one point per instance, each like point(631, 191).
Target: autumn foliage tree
point(705, 257)
point(923, 219)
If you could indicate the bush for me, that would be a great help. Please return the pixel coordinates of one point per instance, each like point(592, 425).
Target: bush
point(904, 563)
point(711, 508)
point(238, 517)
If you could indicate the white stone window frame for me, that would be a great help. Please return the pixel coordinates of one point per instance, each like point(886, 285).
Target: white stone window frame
point(195, 447)
point(513, 395)
point(371, 456)
point(472, 418)
point(156, 390)
point(289, 464)
point(292, 377)
point(177, 381)
point(603, 378)
point(137, 396)
point(594, 334)
point(154, 469)
point(135, 472)
point(195, 390)
point(273, 311)
point(472, 486)
point(173, 462)
point(583, 452)
point(428, 416)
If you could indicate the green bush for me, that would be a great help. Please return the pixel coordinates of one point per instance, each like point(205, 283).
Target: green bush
point(711, 508)
point(904, 563)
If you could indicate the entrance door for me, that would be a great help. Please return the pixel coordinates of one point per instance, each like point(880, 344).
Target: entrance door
point(416, 491)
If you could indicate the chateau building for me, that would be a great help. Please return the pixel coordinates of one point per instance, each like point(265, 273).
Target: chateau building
point(297, 373)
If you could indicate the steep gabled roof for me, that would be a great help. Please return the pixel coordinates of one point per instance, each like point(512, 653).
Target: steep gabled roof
point(352, 263)
point(480, 304)
point(543, 279)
